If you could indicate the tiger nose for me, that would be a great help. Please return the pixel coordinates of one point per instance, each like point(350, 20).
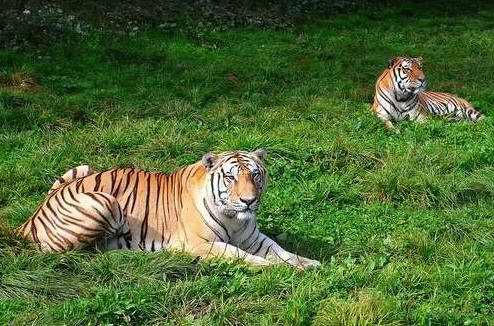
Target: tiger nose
point(247, 200)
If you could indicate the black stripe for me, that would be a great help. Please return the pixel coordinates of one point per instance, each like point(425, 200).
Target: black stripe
point(211, 180)
point(254, 241)
point(50, 208)
point(175, 186)
point(144, 225)
point(78, 184)
point(84, 213)
point(387, 99)
point(218, 186)
point(167, 192)
point(105, 201)
point(118, 187)
point(61, 205)
point(134, 193)
point(189, 173)
point(97, 181)
point(49, 233)
point(113, 175)
point(179, 191)
point(260, 246)
point(164, 205)
point(215, 219)
point(71, 194)
point(158, 193)
point(250, 235)
point(156, 207)
point(34, 230)
point(52, 232)
point(128, 239)
point(112, 228)
point(211, 228)
point(85, 228)
point(57, 220)
point(127, 184)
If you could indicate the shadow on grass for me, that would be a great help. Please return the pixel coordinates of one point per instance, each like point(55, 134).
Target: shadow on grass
point(310, 247)
point(10, 242)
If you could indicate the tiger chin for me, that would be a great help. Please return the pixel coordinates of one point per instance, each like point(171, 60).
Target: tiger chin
point(401, 94)
point(207, 209)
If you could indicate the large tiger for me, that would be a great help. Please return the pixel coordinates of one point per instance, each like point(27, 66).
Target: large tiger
point(400, 94)
point(207, 209)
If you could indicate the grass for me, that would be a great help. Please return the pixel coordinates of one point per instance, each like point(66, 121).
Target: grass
point(402, 223)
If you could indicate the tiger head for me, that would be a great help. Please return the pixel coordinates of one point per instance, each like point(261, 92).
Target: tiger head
point(235, 182)
point(408, 77)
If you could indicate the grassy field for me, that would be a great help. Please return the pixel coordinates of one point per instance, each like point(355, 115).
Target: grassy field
point(403, 224)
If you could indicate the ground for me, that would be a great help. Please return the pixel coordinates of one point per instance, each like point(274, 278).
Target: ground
point(403, 224)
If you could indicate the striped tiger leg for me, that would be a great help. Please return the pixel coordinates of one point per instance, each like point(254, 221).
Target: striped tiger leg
point(420, 115)
point(76, 223)
point(385, 117)
point(77, 172)
point(382, 109)
point(267, 248)
point(225, 250)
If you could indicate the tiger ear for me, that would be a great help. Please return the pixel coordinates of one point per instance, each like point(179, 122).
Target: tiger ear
point(208, 160)
point(393, 61)
point(419, 60)
point(260, 153)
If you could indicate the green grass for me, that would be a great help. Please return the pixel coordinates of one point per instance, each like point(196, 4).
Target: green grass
point(402, 223)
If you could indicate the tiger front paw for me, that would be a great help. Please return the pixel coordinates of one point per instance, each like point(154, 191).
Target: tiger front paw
point(391, 127)
point(304, 263)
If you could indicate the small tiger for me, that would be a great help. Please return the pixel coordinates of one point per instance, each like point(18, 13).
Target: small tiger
point(207, 209)
point(400, 94)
